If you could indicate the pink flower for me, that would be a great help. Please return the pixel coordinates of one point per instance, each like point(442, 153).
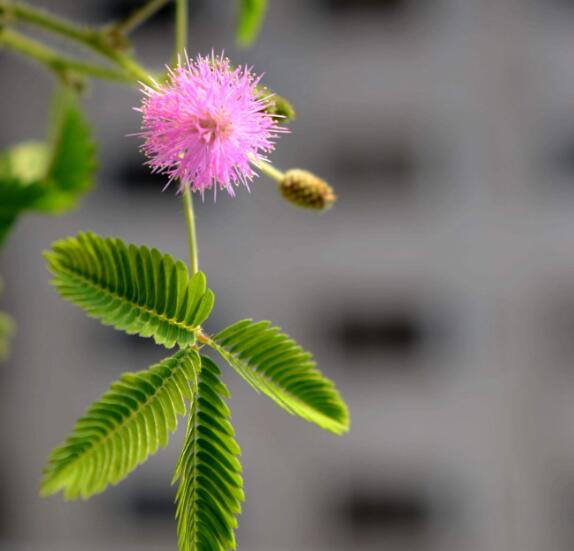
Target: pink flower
point(207, 125)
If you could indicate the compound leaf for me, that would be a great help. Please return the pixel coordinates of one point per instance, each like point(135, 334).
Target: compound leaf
point(277, 366)
point(210, 490)
point(135, 289)
point(122, 429)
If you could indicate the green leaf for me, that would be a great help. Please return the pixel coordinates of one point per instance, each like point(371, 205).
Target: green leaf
point(15, 198)
point(131, 288)
point(210, 490)
point(48, 178)
point(21, 170)
point(122, 429)
point(7, 329)
point(277, 366)
point(251, 16)
point(6, 332)
point(26, 162)
point(72, 165)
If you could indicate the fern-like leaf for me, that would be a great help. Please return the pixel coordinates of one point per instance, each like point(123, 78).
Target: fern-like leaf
point(119, 431)
point(210, 493)
point(276, 365)
point(131, 288)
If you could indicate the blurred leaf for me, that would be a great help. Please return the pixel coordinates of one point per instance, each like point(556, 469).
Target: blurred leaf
point(26, 162)
point(15, 197)
point(48, 177)
point(6, 332)
point(73, 162)
point(251, 15)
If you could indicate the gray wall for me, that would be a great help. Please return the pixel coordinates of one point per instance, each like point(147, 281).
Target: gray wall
point(438, 293)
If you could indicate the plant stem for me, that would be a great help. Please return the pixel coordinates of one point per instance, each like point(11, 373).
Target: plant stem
point(191, 234)
point(181, 15)
point(97, 40)
point(269, 170)
point(133, 68)
point(55, 61)
point(138, 16)
point(180, 45)
point(43, 19)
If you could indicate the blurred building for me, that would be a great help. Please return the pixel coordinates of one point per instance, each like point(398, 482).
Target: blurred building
point(438, 293)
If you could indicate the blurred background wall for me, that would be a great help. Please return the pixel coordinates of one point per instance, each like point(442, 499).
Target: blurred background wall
point(438, 293)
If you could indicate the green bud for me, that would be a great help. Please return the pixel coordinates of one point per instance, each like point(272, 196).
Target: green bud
point(304, 189)
point(278, 105)
point(116, 39)
point(283, 108)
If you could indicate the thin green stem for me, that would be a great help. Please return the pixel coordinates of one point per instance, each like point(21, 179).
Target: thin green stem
point(269, 170)
point(35, 16)
point(133, 68)
point(191, 234)
point(181, 21)
point(99, 41)
point(62, 66)
point(180, 45)
point(138, 16)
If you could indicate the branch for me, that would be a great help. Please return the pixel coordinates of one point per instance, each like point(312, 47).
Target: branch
point(137, 17)
point(98, 41)
point(181, 15)
point(40, 18)
point(62, 66)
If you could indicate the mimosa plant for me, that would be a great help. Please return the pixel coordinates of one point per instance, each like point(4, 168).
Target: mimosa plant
point(206, 125)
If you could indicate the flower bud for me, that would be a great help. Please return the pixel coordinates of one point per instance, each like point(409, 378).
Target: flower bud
point(277, 105)
point(304, 189)
point(282, 108)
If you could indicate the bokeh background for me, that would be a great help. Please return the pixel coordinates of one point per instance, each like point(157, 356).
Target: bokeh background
point(438, 293)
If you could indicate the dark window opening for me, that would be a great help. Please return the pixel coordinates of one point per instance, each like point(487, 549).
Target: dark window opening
point(391, 168)
point(146, 506)
point(396, 334)
point(136, 177)
point(391, 511)
point(392, 333)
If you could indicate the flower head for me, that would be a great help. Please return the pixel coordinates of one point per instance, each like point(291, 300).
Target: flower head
point(207, 125)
